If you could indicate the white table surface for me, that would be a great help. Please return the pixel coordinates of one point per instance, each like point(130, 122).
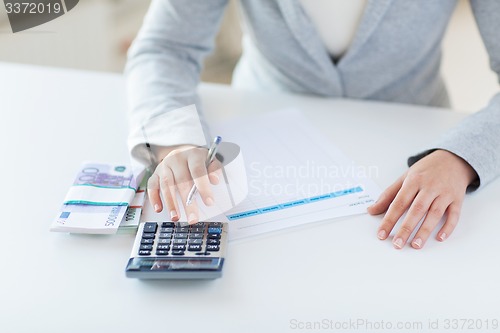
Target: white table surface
point(53, 119)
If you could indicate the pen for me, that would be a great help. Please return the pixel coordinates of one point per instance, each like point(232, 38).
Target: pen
point(210, 157)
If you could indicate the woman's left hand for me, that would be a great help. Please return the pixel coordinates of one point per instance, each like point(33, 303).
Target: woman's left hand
point(432, 187)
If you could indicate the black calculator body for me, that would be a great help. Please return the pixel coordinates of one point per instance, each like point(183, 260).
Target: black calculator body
point(168, 250)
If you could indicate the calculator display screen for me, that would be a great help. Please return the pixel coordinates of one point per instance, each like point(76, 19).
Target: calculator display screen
point(175, 264)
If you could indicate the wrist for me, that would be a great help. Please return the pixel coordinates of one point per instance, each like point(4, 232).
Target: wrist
point(160, 152)
point(461, 165)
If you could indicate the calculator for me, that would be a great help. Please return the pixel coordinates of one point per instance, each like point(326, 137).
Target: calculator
point(168, 250)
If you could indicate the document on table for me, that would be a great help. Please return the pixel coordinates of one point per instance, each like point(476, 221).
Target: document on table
point(295, 175)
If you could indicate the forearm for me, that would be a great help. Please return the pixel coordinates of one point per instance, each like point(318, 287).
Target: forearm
point(476, 140)
point(163, 71)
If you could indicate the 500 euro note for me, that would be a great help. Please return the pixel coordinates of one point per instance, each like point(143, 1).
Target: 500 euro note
point(98, 199)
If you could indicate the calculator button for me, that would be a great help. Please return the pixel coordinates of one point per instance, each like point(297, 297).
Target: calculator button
point(168, 224)
point(147, 241)
point(198, 225)
point(163, 247)
point(144, 236)
point(179, 247)
point(215, 225)
point(213, 230)
point(213, 242)
point(162, 252)
point(147, 247)
point(165, 235)
point(150, 227)
point(213, 236)
point(197, 230)
point(196, 236)
point(179, 241)
point(212, 247)
point(178, 252)
point(166, 229)
point(180, 235)
point(164, 241)
point(181, 229)
point(144, 252)
point(195, 241)
point(194, 247)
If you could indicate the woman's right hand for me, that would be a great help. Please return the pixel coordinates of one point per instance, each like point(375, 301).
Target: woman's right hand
point(181, 166)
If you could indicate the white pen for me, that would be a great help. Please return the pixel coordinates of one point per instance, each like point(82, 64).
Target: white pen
point(210, 157)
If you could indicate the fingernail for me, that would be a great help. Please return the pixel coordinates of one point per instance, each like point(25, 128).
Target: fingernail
point(442, 237)
point(210, 201)
point(417, 243)
point(173, 215)
point(216, 177)
point(192, 218)
point(382, 234)
point(157, 208)
point(398, 243)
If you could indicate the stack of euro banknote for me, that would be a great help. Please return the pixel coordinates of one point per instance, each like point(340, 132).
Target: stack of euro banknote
point(104, 199)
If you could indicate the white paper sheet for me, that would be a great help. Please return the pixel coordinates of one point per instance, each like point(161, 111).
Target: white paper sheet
point(295, 175)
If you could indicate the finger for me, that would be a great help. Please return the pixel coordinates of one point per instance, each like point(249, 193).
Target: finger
point(183, 182)
point(398, 206)
point(167, 186)
point(434, 215)
point(386, 198)
point(452, 217)
point(198, 170)
point(184, 186)
point(154, 192)
point(417, 211)
point(215, 172)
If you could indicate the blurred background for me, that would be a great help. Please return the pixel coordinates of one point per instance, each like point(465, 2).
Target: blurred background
point(71, 42)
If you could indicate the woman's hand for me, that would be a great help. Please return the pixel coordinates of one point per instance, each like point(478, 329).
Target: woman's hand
point(176, 172)
point(432, 187)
